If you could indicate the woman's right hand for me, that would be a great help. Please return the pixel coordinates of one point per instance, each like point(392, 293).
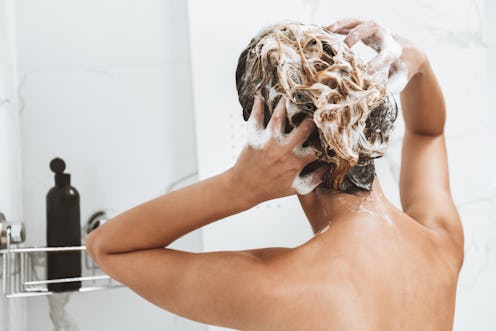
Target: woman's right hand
point(400, 55)
point(269, 166)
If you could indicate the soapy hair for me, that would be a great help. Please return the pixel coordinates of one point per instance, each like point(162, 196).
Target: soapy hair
point(319, 76)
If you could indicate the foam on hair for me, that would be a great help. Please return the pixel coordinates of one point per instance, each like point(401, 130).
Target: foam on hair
point(321, 77)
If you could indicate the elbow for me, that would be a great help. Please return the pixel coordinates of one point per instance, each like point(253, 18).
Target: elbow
point(97, 248)
point(94, 249)
point(431, 132)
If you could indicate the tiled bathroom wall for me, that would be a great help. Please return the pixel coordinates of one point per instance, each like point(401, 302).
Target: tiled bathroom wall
point(12, 312)
point(457, 36)
point(105, 85)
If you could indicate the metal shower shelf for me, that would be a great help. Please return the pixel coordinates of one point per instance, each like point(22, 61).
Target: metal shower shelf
point(24, 271)
point(24, 268)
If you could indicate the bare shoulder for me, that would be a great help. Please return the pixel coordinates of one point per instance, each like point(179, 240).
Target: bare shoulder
point(425, 189)
point(448, 240)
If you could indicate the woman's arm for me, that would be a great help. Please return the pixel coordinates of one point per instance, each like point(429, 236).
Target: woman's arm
point(160, 221)
point(424, 179)
point(261, 173)
point(230, 288)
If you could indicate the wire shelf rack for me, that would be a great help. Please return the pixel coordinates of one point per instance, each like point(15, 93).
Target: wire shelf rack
point(24, 271)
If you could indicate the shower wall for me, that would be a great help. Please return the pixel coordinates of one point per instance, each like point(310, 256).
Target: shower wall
point(105, 85)
point(456, 36)
point(12, 312)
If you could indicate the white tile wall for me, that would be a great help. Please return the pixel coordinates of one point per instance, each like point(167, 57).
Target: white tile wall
point(12, 312)
point(457, 35)
point(106, 85)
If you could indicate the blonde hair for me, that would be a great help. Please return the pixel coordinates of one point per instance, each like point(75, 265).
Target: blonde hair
point(320, 77)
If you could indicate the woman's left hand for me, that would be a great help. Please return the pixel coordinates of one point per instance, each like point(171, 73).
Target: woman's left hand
point(270, 163)
point(398, 55)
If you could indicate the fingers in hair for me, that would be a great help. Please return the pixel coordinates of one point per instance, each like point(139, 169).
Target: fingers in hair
point(344, 25)
point(301, 133)
point(278, 118)
point(257, 112)
point(360, 32)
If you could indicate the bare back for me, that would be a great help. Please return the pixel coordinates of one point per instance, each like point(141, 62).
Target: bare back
point(366, 272)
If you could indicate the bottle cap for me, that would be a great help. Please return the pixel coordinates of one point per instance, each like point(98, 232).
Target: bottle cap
point(57, 165)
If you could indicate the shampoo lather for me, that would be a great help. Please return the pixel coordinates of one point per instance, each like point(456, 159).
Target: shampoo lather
point(63, 228)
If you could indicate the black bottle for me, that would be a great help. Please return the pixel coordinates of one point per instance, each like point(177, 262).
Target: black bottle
point(63, 228)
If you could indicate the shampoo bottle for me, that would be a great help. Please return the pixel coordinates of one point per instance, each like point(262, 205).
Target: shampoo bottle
point(63, 228)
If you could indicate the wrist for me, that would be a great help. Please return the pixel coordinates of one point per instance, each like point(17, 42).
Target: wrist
point(419, 60)
point(418, 65)
point(239, 193)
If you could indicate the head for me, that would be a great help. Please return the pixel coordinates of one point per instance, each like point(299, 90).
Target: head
point(320, 77)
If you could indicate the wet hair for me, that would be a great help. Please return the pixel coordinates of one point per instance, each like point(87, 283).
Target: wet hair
point(319, 76)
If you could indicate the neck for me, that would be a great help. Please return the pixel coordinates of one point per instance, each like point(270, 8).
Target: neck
point(322, 207)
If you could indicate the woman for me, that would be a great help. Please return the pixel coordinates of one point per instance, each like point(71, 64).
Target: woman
point(371, 266)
